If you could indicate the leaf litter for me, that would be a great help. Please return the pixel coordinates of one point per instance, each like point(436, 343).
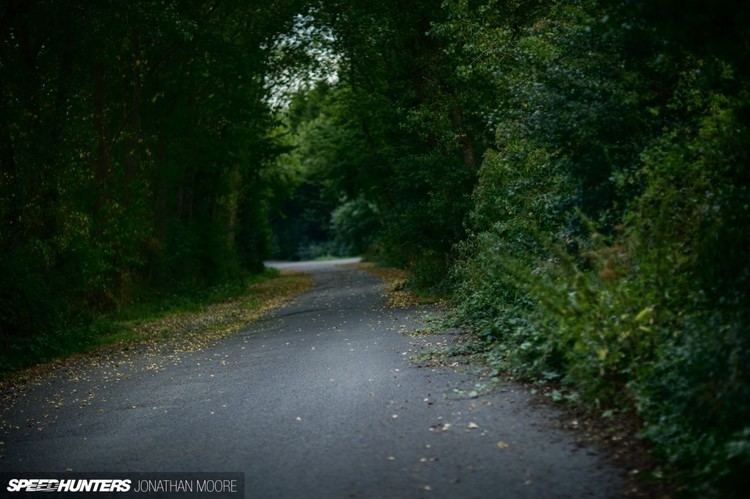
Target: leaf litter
point(155, 344)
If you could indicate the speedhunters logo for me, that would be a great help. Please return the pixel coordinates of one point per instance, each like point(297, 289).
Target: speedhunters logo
point(67, 485)
point(124, 485)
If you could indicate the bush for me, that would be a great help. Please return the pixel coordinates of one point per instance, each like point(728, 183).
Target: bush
point(354, 224)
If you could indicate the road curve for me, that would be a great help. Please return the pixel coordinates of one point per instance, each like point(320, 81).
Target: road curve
point(319, 399)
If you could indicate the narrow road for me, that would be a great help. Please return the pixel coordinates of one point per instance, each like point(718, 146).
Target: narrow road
point(319, 399)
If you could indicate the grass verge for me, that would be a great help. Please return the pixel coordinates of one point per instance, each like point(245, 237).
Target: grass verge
point(182, 322)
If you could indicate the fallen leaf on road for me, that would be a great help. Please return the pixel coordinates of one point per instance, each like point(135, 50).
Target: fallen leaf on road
point(472, 426)
point(502, 445)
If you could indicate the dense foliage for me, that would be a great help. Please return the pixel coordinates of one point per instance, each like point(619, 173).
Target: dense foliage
point(135, 153)
point(574, 174)
point(324, 214)
point(610, 228)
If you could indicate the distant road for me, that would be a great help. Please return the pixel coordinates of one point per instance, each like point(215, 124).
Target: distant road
point(312, 265)
point(319, 399)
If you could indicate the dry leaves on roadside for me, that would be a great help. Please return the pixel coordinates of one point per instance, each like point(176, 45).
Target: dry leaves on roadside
point(396, 292)
point(159, 340)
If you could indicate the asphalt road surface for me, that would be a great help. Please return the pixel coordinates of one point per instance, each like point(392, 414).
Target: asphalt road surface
point(319, 399)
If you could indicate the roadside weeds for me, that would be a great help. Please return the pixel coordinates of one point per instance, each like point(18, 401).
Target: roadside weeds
point(616, 435)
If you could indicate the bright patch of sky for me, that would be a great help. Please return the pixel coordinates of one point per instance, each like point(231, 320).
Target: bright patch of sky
point(299, 59)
